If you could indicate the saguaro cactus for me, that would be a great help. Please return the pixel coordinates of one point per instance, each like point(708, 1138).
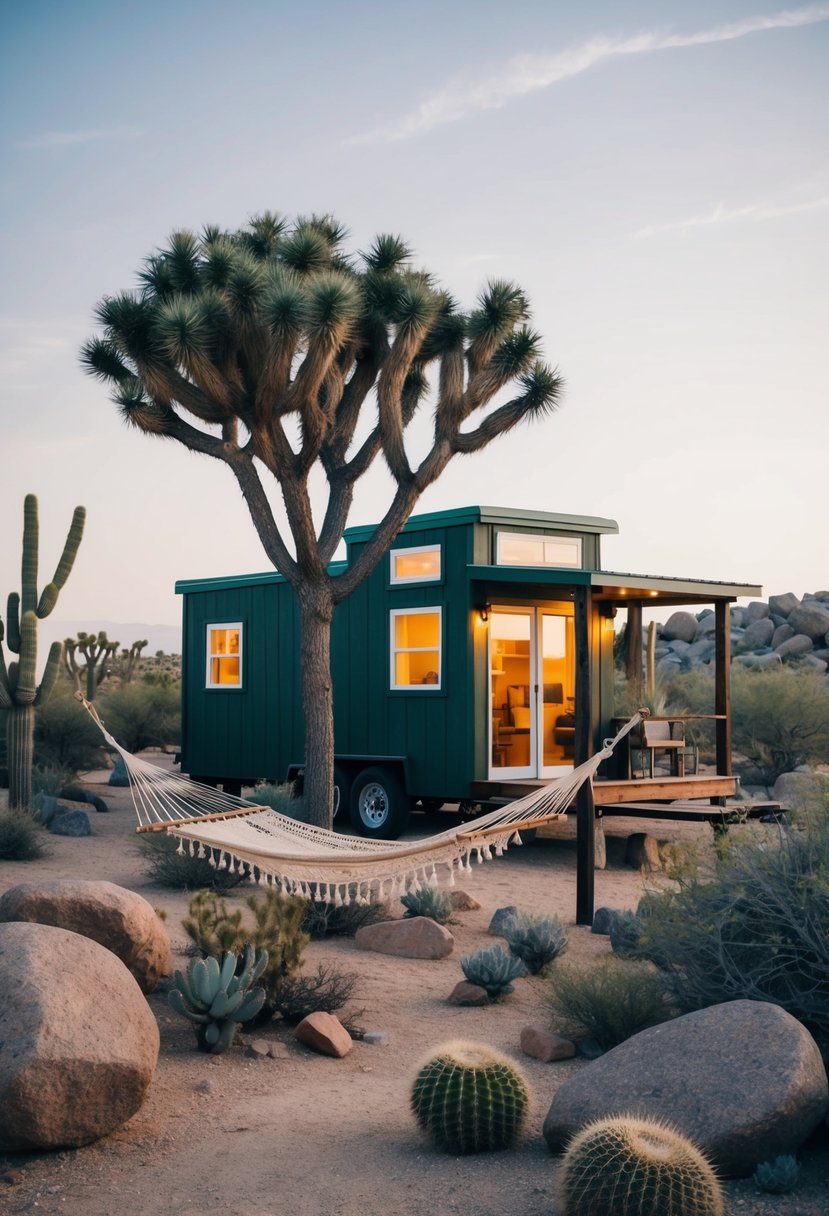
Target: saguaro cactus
point(20, 693)
point(96, 651)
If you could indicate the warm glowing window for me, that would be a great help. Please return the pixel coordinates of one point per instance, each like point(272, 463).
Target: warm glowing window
point(419, 565)
point(415, 648)
point(525, 549)
point(224, 656)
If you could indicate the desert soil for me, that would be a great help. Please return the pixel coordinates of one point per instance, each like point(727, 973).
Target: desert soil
point(313, 1136)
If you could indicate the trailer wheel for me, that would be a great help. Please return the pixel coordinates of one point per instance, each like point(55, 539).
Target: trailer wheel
point(343, 781)
point(379, 804)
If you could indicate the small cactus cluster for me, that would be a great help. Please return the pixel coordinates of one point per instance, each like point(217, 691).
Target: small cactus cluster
point(428, 901)
point(217, 997)
point(536, 940)
point(779, 1176)
point(493, 969)
point(470, 1098)
point(626, 1165)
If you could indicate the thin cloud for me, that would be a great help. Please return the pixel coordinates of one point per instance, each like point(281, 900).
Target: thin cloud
point(66, 139)
point(531, 73)
point(721, 215)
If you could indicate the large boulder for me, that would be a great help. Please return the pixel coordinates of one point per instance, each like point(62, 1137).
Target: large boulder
point(417, 937)
point(118, 919)
point(801, 643)
point(682, 625)
point(759, 633)
point(743, 1080)
point(810, 618)
point(79, 1041)
point(782, 605)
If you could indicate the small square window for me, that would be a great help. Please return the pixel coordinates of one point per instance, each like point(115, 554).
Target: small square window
point(224, 655)
point(416, 648)
point(418, 565)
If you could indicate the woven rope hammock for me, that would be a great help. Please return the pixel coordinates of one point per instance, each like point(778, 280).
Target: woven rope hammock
point(299, 859)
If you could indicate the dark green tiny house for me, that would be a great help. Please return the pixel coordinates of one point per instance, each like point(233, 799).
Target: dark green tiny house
point(476, 658)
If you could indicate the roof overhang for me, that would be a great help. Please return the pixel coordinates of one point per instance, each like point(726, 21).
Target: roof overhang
point(620, 589)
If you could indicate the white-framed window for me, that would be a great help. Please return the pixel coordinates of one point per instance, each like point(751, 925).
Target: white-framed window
point(529, 549)
point(416, 648)
point(421, 564)
point(224, 655)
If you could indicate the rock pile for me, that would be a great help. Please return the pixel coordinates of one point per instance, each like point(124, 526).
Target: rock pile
point(784, 630)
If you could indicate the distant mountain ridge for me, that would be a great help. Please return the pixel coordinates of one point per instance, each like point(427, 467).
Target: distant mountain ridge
point(159, 637)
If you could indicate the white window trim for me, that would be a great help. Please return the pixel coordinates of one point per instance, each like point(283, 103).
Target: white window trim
point(394, 651)
point(398, 581)
point(574, 542)
point(209, 655)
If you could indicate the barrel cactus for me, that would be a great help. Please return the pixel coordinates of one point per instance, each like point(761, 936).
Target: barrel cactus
point(627, 1165)
point(470, 1098)
point(217, 997)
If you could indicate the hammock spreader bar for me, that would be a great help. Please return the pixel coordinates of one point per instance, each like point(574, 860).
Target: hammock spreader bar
point(300, 859)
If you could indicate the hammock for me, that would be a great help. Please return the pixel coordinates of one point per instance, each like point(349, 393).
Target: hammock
point(299, 859)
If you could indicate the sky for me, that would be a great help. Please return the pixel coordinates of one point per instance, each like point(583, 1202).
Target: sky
point(654, 175)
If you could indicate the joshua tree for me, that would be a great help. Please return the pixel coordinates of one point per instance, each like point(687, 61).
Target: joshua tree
point(20, 694)
point(96, 651)
point(265, 347)
point(129, 659)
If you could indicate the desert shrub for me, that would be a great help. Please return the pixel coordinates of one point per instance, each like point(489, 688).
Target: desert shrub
point(536, 940)
point(142, 715)
point(492, 969)
point(428, 901)
point(608, 1002)
point(281, 798)
point(330, 920)
point(781, 718)
point(276, 927)
point(66, 738)
point(51, 779)
point(326, 991)
point(777, 1177)
point(755, 927)
point(181, 872)
point(21, 839)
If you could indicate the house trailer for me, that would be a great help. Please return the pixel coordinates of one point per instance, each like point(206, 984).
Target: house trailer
point(476, 661)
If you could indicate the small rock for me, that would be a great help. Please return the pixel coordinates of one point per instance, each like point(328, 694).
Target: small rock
point(258, 1049)
point(204, 1087)
point(377, 1038)
point(462, 901)
point(71, 823)
point(542, 1044)
point(13, 1177)
point(465, 993)
point(589, 1049)
point(417, 937)
point(500, 919)
point(602, 920)
point(119, 776)
point(324, 1033)
point(278, 1051)
point(642, 852)
point(45, 807)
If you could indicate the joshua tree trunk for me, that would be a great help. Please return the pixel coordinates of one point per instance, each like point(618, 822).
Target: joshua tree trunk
point(20, 734)
point(316, 609)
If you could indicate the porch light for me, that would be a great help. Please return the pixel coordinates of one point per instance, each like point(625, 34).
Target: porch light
point(483, 611)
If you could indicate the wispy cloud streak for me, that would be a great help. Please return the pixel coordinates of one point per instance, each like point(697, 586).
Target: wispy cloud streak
point(67, 139)
point(526, 74)
point(721, 215)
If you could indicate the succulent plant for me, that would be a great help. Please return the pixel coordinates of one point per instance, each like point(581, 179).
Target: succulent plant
point(493, 969)
point(536, 940)
point(627, 1165)
point(428, 901)
point(779, 1176)
point(470, 1098)
point(217, 997)
point(20, 693)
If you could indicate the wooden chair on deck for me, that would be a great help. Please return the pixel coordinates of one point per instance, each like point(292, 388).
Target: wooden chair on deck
point(662, 736)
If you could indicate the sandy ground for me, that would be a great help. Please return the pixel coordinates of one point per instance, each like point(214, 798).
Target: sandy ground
point(315, 1136)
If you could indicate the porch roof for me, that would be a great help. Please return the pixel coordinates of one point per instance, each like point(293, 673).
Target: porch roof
point(616, 588)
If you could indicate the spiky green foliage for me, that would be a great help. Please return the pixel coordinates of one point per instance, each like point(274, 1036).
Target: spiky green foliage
point(608, 1002)
point(96, 650)
point(494, 969)
point(428, 901)
point(536, 940)
point(21, 839)
point(170, 866)
point(779, 1176)
point(275, 926)
point(278, 354)
point(470, 1098)
point(217, 996)
point(20, 693)
point(626, 1166)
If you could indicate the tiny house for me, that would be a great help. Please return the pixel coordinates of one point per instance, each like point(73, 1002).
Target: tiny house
point(476, 660)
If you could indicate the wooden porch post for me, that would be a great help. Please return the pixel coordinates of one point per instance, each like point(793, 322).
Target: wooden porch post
point(582, 747)
point(634, 648)
point(722, 685)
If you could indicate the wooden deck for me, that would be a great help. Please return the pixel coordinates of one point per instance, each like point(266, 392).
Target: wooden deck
point(636, 789)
